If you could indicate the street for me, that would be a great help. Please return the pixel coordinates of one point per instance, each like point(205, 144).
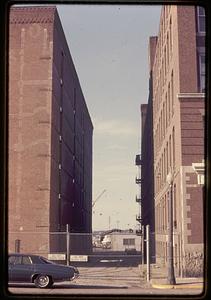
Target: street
point(103, 281)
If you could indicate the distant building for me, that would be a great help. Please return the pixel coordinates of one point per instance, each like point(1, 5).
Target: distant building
point(123, 241)
point(50, 137)
point(178, 86)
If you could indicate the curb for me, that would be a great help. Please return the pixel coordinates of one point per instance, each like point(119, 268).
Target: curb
point(177, 286)
point(162, 286)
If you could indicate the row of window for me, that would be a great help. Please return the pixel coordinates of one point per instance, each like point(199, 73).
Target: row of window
point(165, 163)
point(200, 12)
point(162, 252)
point(164, 116)
point(129, 242)
point(161, 212)
point(163, 56)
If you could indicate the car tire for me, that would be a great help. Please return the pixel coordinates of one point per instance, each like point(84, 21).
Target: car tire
point(43, 281)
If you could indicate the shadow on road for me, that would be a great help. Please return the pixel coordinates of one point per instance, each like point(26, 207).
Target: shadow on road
point(85, 286)
point(68, 286)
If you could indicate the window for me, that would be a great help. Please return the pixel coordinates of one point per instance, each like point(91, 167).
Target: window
point(170, 36)
point(173, 146)
point(168, 103)
point(172, 93)
point(170, 153)
point(26, 260)
point(164, 163)
point(167, 158)
point(175, 207)
point(15, 260)
point(128, 242)
point(166, 113)
point(201, 19)
point(202, 71)
point(168, 49)
point(11, 260)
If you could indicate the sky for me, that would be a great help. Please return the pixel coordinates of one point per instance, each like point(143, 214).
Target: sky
point(109, 48)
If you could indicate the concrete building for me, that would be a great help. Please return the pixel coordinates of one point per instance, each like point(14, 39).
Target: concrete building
point(50, 137)
point(124, 241)
point(177, 70)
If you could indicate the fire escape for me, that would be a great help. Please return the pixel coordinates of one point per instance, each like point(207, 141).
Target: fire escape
point(138, 197)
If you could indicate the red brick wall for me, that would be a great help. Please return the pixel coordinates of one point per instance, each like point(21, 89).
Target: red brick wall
point(187, 49)
point(195, 214)
point(192, 130)
point(30, 74)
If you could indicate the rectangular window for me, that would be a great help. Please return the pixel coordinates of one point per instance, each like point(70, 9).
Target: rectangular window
point(166, 105)
point(202, 71)
point(167, 157)
point(201, 19)
point(170, 36)
point(172, 93)
point(169, 103)
point(173, 146)
point(175, 207)
point(128, 242)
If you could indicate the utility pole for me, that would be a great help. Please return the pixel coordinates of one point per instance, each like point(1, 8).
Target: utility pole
point(67, 245)
point(142, 247)
point(148, 258)
point(171, 276)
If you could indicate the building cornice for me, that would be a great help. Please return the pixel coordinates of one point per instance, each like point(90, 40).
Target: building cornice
point(190, 95)
point(33, 14)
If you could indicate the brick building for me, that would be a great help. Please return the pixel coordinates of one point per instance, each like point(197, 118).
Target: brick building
point(177, 70)
point(50, 136)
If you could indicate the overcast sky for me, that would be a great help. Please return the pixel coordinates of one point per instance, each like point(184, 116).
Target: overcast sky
point(109, 47)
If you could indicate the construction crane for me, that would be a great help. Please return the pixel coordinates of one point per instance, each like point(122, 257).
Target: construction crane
point(98, 197)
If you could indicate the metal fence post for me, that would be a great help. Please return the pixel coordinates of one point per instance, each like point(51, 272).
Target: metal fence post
point(147, 246)
point(67, 245)
point(142, 247)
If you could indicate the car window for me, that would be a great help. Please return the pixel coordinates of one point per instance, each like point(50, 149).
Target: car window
point(11, 260)
point(15, 260)
point(26, 260)
point(35, 259)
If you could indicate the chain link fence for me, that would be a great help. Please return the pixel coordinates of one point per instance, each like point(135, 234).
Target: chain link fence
point(84, 249)
point(100, 248)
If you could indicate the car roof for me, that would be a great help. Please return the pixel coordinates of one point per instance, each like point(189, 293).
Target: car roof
point(23, 254)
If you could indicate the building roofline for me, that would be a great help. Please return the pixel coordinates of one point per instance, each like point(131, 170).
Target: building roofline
point(45, 14)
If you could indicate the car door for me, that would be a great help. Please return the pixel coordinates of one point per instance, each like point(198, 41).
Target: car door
point(21, 269)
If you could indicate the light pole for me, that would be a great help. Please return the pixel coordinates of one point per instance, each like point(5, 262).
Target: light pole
point(171, 276)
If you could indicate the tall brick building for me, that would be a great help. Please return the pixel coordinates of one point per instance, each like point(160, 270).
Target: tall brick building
point(50, 136)
point(177, 69)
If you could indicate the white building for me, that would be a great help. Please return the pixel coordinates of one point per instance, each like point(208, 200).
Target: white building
point(124, 241)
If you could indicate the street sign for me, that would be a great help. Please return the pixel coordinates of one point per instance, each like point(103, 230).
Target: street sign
point(79, 258)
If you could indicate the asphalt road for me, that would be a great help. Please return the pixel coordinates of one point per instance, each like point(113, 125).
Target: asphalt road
point(102, 281)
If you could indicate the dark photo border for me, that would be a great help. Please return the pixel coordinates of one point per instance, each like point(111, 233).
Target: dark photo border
point(4, 14)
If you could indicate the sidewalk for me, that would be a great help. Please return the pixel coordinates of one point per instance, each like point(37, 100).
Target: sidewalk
point(158, 280)
point(181, 283)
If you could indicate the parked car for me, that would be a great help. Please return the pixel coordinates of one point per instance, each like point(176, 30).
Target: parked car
point(38, 270)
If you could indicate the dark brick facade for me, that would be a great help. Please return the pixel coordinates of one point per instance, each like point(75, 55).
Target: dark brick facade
point(50, 134)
